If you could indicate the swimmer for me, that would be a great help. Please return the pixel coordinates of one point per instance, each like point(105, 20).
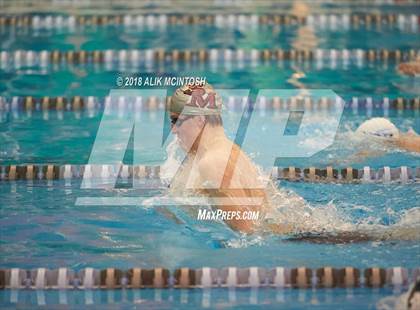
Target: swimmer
point(377, 135)
point(214, 165)
point(382, 131)
point(411, 68)
point(410, 71)
point(413, 298)
point(407, 301)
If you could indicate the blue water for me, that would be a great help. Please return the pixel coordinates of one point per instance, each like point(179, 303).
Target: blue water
point(202, 36)
point(40, 222)
point(347, 80)
point(26, 138)
point(41, 225)
point(198, 299)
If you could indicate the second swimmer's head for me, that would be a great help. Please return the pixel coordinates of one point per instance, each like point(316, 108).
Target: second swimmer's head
point(379, 128)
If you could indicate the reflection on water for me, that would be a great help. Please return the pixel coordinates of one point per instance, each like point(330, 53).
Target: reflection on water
point(266, 298)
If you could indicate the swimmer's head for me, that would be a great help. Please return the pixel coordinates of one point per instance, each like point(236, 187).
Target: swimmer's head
point(195, 99)
point(191, 108)
point(378, 127)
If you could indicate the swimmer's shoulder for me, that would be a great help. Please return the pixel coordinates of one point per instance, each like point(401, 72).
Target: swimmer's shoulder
point(409, 142)
point(410, 68)
point(211, 164)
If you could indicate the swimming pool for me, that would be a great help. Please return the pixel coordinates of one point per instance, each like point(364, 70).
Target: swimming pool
point(187, 36)
point(193, 299)
point(56, 71)
point(75, 133)
point(372, 80)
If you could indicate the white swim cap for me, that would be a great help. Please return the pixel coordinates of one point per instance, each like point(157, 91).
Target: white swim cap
point(378, 127)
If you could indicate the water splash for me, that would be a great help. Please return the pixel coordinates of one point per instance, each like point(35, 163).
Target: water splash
point(10, 147)
point(295, 217)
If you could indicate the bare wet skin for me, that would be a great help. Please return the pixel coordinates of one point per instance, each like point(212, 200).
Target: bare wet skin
point(217, 168)
point(207, 170)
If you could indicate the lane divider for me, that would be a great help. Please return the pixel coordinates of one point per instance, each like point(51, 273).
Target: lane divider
point(401, 174)
point(28, 172)
point(63, 115)
point(150, 66)
point(266, 5)
point(332, 21)
point(24, 58)
point(231, 277)
point(76, 103)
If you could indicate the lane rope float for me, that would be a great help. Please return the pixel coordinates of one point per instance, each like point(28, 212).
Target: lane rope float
point(51, 172)
point(231, 277)
point(76, 103)
point(23, 58)
point(329, 21)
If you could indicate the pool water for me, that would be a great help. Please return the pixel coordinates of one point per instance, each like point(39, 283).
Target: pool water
point(40, 220)
point(203, 36)
point(195, 299)
point(370, 79)
point(26, 138)
point(42, 225)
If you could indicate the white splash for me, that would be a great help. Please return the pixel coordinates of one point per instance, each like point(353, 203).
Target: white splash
point(288, 209)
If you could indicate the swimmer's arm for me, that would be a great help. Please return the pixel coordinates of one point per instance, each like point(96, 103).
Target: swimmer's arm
point(362, 155)
point(245, 226)
point(358, 157)
point(410, 68)
point(210, 175)
point(409, 142)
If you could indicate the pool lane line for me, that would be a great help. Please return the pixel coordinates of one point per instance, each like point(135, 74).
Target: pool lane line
point(191, 5)
point(22, 58)
point(121, 104)
point(50, 172)
point(149, 66)
point(324, 21)
point(52, 115)
point(230, 277)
